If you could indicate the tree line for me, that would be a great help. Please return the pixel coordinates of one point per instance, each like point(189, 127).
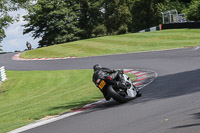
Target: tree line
point(62, 21)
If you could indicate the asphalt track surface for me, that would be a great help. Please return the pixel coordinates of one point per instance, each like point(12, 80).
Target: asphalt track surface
point(170, 104)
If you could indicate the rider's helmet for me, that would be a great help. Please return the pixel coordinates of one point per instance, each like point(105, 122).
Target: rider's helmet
point(96, 67)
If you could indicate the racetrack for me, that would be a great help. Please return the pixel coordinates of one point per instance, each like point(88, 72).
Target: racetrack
point(170, 104)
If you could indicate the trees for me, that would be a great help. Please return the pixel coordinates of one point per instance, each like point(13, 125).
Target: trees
point(193, 12)
point(55, 21)
point(169, 5)
point(5, 19)
point(117, 16)
point(145, 14)
point(64, 20)
point(7, 6)
point(91, 18)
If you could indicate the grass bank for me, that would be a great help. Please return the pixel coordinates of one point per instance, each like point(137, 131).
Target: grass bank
point(28, 96)
point(136, 42)
point(31, 95)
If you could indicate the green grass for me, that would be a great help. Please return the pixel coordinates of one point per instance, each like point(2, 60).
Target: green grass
point(28, 96)
point(131, 76)
point(31, 95)
point(135, 42)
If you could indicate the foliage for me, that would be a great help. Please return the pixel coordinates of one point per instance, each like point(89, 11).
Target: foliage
point(91, 18)
point(55, 21)
point(170, 5)
point(117, 15)
point(5, 19)
point(99, 31)
point(7, 6)
point(123, 29)
point(145, 14)
point(185, 1)
point(193, 12)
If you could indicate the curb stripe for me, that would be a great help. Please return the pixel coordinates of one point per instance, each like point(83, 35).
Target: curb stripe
point(127, 71)
point(16, 57)
point(136, 72)
point(137, 84)
point(140, 79)
point(144, 74)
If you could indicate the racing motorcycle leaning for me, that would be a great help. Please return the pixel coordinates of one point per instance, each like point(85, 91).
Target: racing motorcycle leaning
point(111, 89)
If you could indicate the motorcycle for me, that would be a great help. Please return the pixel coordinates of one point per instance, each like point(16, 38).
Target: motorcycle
point(110, 89)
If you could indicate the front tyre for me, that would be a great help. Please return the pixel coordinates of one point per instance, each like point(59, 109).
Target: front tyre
point(139, 93)
point(117, 97)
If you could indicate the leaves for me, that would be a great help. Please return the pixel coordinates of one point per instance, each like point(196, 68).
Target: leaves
point(61, 21)
point(5, 19)
point(54, 21)
point(193, 12)
point(117, 13)
point(7, 6)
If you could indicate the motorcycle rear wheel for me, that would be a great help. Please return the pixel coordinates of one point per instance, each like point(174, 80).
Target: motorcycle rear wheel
point(117, 97)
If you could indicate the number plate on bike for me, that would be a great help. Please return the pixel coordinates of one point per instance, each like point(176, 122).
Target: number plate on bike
point(102, 84)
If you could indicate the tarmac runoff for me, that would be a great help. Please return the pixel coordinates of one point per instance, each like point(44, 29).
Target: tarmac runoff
point(144, 77)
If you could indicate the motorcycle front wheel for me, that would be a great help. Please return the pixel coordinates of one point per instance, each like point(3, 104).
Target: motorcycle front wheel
point(116, 96)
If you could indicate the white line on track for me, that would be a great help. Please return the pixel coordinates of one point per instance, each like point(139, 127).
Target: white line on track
point(196, 48)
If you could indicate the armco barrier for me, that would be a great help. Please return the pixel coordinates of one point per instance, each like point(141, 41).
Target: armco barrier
point(2, 74)
point(190, 25)
point(155, 28)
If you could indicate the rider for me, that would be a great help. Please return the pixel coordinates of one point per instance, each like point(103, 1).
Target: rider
point(114, 74)
point(28, 45)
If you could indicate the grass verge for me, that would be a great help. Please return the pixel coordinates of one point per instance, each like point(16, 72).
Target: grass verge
point(31, 95)
point(135, 42)
point(28, 96)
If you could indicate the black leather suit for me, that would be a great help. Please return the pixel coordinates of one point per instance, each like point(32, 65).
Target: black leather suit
point(114, 74)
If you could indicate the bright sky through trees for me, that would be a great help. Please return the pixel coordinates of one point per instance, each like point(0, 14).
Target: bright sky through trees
point(15, 40)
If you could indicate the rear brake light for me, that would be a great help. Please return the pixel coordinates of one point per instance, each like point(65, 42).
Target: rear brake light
point(109, 77)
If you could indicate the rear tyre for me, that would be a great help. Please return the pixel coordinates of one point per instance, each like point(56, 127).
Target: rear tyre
point(117, 97)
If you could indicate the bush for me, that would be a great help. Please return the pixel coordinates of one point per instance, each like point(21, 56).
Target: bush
point(170, 5)
point(99, 31)
point(123, 29)
point(193, 12)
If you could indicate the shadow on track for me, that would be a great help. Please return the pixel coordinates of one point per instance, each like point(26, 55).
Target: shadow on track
point(196, 116)
point(164, 87)
point(172, 85)
point(189, 125)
